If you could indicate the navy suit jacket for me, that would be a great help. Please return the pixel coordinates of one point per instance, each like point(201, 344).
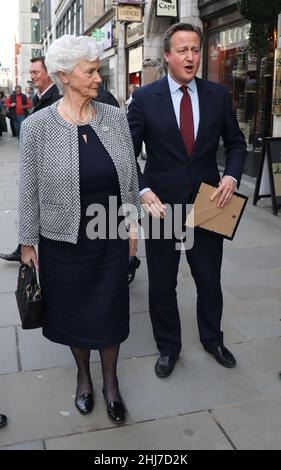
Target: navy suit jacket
point(169, 171)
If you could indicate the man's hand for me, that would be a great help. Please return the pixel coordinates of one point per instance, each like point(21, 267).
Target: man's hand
point(28, 253)
point(152, 205)
point(225, 191)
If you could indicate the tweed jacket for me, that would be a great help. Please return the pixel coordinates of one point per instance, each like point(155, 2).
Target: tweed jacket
point(49, 186)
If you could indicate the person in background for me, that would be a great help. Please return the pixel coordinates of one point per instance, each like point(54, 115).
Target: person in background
point(104, 96)
point(47, 94)
point(18, 104)
point(30, 94)
point(84, 279)
point(181, 118)
point(132, 88)
point(3, 123)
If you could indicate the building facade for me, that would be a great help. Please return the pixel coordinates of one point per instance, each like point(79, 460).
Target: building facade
point(249, 80)
point(29, 38)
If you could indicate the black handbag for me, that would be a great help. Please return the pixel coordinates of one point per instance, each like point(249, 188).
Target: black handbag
point(29, 298)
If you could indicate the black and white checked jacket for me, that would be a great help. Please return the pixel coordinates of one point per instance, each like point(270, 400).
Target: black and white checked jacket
point(49, 187)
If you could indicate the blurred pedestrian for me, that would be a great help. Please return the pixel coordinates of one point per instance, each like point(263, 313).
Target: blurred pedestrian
point(3, 123)
point(130, 96)
point(18, 104)
point(86, 151)
point(104, 96)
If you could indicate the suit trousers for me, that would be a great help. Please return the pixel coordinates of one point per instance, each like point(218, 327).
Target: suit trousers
point(204, 259)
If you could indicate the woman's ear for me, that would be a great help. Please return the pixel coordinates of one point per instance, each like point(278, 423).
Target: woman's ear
point(64, 78)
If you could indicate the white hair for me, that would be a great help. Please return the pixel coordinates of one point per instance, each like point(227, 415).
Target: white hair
point(66, 52)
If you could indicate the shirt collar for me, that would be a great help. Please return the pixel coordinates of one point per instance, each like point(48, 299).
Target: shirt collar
point(45, 91)
point(175, 86)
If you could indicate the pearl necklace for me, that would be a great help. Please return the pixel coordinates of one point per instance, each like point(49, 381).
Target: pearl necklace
point(75, 119)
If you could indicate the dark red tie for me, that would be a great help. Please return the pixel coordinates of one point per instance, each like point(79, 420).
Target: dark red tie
point(186, 120)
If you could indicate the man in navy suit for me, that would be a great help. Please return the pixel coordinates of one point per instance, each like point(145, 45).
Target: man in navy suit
point(181, 119)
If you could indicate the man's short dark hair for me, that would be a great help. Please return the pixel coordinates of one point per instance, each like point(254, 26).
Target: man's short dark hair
point(41, 59)
point(180, 27)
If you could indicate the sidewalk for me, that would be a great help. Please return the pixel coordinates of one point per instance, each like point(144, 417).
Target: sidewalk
point(201, 405)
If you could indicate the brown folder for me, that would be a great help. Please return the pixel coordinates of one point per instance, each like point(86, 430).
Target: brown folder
point(205, 213)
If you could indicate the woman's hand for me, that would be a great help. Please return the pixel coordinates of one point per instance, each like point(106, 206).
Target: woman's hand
point(133, 239)
point(28, 253)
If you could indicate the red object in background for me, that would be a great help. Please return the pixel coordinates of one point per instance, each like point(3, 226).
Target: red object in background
point(135, 79)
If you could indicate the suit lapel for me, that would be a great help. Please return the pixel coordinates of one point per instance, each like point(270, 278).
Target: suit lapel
point(167, 113)
point(203, 92)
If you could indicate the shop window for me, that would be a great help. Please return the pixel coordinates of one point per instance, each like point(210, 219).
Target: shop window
point(248, 80)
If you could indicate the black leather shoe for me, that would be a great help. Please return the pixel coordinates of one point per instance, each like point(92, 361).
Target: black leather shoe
point(85, 403)
point(15, 256)
point(165, 365)
point(116, 411)
point(3, 421)
point(223, 356)
point(133, 266)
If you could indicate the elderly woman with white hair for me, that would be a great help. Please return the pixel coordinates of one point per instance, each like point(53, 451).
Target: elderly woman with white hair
point(77, 155)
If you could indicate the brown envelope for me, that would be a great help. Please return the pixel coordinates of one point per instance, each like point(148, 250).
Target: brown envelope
point(205, 213)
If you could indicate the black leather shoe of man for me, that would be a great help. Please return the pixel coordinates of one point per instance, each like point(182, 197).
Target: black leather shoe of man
point(223, 356)
point(3, 421)
point(116, 411)
point(165, 365)
point(15, 256)
point(133, 266)
point(85, 403)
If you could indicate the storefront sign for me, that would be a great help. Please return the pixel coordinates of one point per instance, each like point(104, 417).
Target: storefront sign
point(103, 35)
point(167, 8)
point(129, 13)
point(268, 184)
point(276, 103)
point(129, 2)
point(134, 32)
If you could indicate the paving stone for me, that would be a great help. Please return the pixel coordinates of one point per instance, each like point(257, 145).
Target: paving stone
point(254, 425)
point(8, 351)
point(8, 276)
point(8, 310)
point(34, 445)
point(260, 359)
point(255, 319)
point(189, 432)
point(259, 257)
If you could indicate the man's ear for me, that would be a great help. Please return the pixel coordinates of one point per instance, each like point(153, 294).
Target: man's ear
point(166, 58)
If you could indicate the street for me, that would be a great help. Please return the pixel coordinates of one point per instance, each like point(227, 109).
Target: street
point(201, 405)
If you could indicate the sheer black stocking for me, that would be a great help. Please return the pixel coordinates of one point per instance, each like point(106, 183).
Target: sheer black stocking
point(109, 358)
point(84, 381)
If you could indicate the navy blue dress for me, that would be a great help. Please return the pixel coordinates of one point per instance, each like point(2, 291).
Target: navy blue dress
point(85, 286)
